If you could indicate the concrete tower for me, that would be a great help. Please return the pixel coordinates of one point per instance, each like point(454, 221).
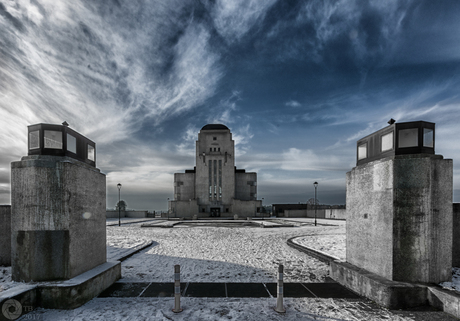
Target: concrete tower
point(215, 187)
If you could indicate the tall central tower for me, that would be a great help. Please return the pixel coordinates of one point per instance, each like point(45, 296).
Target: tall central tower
point(215, 186)
point(215, 165)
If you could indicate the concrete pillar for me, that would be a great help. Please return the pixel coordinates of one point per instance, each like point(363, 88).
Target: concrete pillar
point(399, 217)
point(58, 218)
point(456, 236)
point(5, 235)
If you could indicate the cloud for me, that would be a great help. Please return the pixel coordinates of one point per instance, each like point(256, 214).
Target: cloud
point(293, 103)
point(300, 160)
point(222, 113)
point(233, 19)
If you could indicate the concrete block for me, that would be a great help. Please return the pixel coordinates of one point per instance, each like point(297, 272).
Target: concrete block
point(5, 235)
point(399, 218)
point(40, 254)
point(456, 235)
point(387, 293)
point(51, 193)
point(445, 300)
point(77, 291)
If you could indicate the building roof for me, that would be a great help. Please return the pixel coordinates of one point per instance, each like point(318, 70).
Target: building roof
point(214, 126)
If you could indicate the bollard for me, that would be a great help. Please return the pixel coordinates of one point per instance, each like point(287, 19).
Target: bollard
point(177, 308)
point(279, 300)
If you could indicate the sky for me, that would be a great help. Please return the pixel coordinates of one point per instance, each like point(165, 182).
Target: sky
point(297, 83)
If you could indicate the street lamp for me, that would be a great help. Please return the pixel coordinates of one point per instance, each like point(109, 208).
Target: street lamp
point(262, 209)
point(316, 204)
point(168, 208)
point(119, 205)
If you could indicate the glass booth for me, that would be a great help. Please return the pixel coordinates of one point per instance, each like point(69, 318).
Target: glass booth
point(397, 139)
point(60, 140)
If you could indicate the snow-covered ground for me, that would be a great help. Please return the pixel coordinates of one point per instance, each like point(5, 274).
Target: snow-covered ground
point(218, 254)
point(332, 244)
point(222, 254)
point(248, 309)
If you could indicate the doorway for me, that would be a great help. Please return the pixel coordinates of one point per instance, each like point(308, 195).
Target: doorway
point(215, 211)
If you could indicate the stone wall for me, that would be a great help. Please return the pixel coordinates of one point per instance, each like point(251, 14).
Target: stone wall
point(336, 213)
point(184, 186)
point(456, 236)
point(58, 218)
point(184, 208)
point(320, 213)
point(246, 186)
point(399, 218)
point(5, 235)
point(245, 208)
point(128, 213)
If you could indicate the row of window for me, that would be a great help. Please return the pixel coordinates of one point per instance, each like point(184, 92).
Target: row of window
point(53, 140)
point(218, 149)
point(407, 138)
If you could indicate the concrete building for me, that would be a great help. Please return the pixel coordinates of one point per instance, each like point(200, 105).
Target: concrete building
point(58, 224)
point(399, 205)
point(215, 187)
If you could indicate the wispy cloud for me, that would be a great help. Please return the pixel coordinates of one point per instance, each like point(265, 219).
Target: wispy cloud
point(233, 19)
point(292, 103)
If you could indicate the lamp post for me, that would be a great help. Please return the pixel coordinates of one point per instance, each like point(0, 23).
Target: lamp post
point(168, 208)
point(316, 204)
point(262, 209)
point(119, 205)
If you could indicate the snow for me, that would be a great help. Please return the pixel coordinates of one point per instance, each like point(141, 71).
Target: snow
point(331, 244)
point(207, 309)
point(455, 284)
point(223, 254)
point(218, 254)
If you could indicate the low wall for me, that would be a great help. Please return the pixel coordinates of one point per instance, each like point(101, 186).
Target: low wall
point(305, 213)
point(114, 214)
point(456, 236)
point(132, 214)
point(5, 235)
point(336, 213)
point(136, 214)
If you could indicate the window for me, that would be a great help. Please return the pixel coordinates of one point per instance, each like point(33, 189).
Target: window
point(53, 139)
point(408, 137)
point(91, 153)
point(214, 138)
point(218, 149)
point(210, 149)
point(34, 139)
point(428, 138)
point(71, 144)
point(387, 142)
point(362, 151)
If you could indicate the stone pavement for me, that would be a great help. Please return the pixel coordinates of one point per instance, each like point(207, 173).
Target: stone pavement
point(229, 290)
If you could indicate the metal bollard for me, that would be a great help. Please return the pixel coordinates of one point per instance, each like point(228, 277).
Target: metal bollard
point(279, 300)
point(177, 308)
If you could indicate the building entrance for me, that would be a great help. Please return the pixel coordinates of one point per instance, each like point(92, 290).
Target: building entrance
point(215, 211)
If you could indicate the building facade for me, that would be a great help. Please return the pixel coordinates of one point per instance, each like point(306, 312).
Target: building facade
point(215, 187)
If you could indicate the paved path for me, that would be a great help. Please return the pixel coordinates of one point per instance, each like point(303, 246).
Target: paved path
point(229, 290)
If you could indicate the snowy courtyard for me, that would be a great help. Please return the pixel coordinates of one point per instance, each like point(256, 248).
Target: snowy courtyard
point(225, 254)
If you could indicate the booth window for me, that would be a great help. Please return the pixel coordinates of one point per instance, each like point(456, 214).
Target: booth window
point(428, 138)
point(362, 151)
point(71, 144)
point(408, 137)
point(53, 139)
point(34, 139)
point(91, 153)
point(387, 142)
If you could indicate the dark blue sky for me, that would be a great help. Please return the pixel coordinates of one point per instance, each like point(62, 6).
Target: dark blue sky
point(297, 82)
